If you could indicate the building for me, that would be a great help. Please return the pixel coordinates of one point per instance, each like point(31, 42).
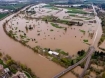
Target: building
point(19, 75)
point(53, 53)
point(4, 11)
point(4, 72)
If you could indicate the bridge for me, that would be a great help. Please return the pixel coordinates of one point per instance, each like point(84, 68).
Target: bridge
point(87, 57)
point(86, 65)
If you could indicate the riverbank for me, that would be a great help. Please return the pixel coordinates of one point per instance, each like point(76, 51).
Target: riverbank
point(39, 65)
point(14, 67)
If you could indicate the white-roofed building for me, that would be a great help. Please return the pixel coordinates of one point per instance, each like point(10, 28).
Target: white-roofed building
point(6, 70)
point(53, 52)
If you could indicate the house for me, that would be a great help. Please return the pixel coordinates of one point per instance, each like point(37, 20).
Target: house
point(4, 11)
point(19, 75)
point(4, 73)
point(6, 70)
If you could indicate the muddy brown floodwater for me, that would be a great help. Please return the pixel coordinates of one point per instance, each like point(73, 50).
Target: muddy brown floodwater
point(42, 67)
point(70, 41)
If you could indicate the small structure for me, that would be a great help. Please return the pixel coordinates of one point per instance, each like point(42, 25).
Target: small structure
point(53, 53)
point(4, 73)
point(19, 75)
point(4, 11)
point(6, 70)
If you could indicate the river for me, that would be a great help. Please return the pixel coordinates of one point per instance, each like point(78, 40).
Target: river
point(42, 67)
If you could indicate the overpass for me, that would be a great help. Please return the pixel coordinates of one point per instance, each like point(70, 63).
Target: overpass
point(87, 57)
point(89, 53)
point(86, 66)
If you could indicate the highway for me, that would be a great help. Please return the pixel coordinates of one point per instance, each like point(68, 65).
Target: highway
point(88, 55)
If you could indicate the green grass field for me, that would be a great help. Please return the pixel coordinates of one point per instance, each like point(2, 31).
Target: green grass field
point(85, 40)
point(12, 7)
point(47, 5)
point(82, 31)
point(74, 10)
point(27, 75)
point(54, 8)
point(3, 15)
point(51, 7)
point(56, 25)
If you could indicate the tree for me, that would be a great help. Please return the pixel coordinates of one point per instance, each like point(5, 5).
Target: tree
point(101, 54)
point(9, 62)
point(79, 53)
point(46, 21)
point(8, 57)
point(0, 54)
point(103, 75)
point(72, 62)
point(65, 29)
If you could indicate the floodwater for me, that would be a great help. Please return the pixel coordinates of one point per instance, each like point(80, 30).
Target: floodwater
point(42, 67)
point(78, 70)
point(70, 41)
point(69, 75)
point(93, 74)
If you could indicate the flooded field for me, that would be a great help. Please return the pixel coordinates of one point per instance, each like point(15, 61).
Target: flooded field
point(40, 65)
point(39, 33)
point(45, 35)
point(102, 45)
